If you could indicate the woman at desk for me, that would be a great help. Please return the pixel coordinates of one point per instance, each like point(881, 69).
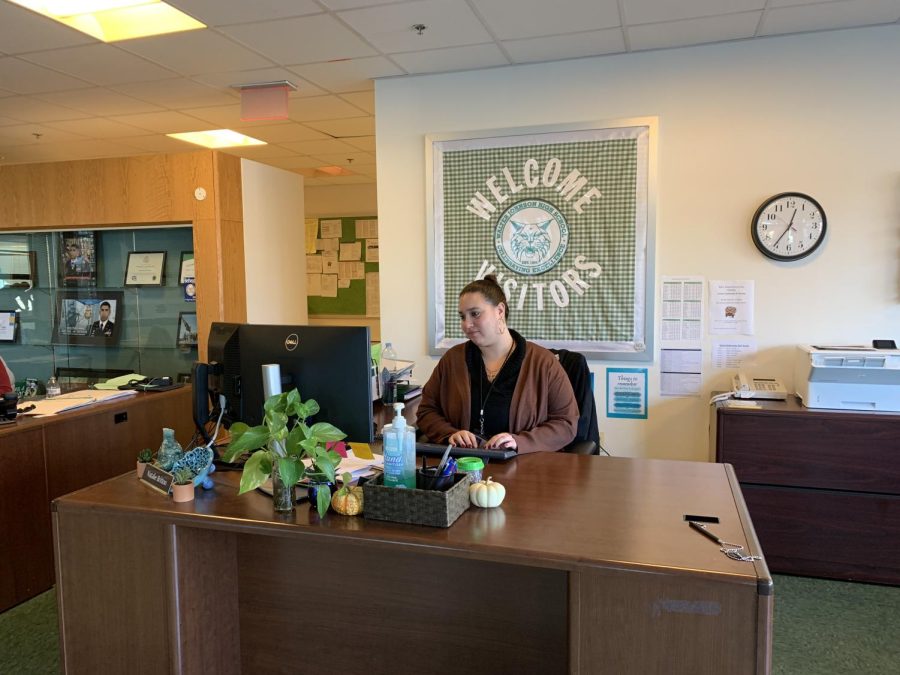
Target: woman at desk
point(497, 390)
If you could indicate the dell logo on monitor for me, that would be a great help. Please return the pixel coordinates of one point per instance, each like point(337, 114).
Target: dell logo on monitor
point(291, 342)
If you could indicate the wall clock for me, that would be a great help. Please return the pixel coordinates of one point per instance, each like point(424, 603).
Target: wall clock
point(788, 226)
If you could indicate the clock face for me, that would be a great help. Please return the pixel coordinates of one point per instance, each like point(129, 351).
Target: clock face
point(788, 226)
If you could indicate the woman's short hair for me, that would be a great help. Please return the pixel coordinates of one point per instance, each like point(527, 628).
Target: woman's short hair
point(491, 290)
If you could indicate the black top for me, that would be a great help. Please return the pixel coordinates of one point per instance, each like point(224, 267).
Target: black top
point(496, 396)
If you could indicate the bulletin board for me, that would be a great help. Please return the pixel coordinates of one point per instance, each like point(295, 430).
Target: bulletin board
point(342, 266)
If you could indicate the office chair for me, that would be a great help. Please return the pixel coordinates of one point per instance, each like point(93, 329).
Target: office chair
point(587, 437)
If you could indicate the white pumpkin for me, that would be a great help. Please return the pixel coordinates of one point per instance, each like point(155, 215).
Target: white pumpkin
point(486, 493)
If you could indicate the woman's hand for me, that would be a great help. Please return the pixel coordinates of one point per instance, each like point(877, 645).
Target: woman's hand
point(463, 439)
point(503, 440)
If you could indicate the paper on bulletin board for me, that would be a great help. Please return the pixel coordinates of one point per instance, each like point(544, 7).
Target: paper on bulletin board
point(314, 284)
point(732, 354)
point(681, 323)
point(372, 251)
point(327, 244)
point(313, 264)
point(373, 294)
point(366, 228)
point(351, 270)
point(351, 251)
point(626, 393)
point(343, 283)
point(331, 228)
point(330, 263)
point(310, 230)
point(680, 372)
point(329, 285)
point(731, 307)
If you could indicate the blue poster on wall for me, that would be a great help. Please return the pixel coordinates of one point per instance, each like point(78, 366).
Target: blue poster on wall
point(626, 393)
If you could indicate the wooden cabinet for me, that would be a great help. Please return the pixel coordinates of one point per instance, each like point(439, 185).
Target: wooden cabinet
point(41, 459)
point(822, 486)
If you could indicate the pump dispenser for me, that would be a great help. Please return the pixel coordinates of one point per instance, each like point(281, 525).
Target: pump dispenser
point(399, 451)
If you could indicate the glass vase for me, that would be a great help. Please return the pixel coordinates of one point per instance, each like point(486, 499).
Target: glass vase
point(282, 494)
point(169, 451)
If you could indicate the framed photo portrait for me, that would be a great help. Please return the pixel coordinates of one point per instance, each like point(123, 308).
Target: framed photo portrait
point(78, 258)
point(18, 269)
point(88, 318)
point(9, 325)
point(146, 268)
point(187, 330)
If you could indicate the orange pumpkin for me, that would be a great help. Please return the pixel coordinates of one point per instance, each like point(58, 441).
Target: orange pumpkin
point(348, 501)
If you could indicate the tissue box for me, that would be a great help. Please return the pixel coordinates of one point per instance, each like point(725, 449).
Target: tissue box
point(418, 507)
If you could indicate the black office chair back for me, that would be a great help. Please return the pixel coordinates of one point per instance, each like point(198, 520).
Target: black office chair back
point(587, 438)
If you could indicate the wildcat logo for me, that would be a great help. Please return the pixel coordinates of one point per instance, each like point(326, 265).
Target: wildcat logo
point(531, 236)
point(291, 342)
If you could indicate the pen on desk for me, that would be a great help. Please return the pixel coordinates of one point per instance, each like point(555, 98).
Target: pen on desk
point(706, 533)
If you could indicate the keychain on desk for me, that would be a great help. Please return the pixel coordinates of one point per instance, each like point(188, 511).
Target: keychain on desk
point(733, 551)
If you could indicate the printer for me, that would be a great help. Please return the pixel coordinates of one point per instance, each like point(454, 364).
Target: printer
point(848, 378)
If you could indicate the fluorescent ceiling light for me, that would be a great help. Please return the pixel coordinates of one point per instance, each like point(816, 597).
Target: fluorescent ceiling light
point(113, 20)
point(217, 138)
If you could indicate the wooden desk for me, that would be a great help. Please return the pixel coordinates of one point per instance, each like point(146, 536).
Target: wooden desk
point(43, 458)
point(823, 486)
point(587, 567)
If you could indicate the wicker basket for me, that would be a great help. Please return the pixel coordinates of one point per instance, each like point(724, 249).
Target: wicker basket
point(419, 507)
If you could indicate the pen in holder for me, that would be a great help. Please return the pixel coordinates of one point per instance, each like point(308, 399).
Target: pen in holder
point(429, 479)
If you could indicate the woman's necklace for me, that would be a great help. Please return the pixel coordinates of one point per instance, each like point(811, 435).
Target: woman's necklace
point(492, 378)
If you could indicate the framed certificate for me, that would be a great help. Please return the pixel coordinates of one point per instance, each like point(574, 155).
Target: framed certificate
point(146, 268)
point(9, 325)
point(186, 268)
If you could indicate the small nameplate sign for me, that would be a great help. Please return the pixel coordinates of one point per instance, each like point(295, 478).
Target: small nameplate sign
point(158, 479)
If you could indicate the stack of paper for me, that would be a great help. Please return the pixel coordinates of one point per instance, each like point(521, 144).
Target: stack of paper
point(74, 400)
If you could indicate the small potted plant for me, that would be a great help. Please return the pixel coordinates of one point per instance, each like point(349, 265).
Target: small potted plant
point(183, 488)
point(280, 444)
point(144, 458)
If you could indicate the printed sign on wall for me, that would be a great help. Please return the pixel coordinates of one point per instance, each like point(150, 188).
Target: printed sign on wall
point(563, 218)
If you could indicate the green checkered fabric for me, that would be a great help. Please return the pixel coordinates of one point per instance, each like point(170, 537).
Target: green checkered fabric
point(603, 233)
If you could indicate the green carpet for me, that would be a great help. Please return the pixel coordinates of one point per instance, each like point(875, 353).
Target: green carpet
point(29, 637)
point(821, 628)
point(835, 628)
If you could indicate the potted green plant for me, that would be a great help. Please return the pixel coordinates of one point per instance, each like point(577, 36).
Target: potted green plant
point(280, 444)
point(144, 458)
point(183, 487)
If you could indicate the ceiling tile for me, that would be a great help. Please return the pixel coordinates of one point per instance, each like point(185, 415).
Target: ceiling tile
point(348, 75)
point(366, 143)
point(335, 5)
point(693, 31)
point(218, 13)
point(26, 78)
point(451, 58)
point(166, 122)
point(347, 159)
point(259, 75)
point(159, 143)
point(89, 149)
point(328, 146)
point(608, 41)
point(263, 152)
point(194, 52)
point(97, 127)
point(509, 21)
point(285, 132)
point(654, 11)
point(295, 162)
point(98, 101)
point(364, 100)
point(222, 116)
point(320, 108)
point(24, 134)
point(8, 121)
point(27, 109)
point(22, 30)
point(341, 180)
point(358, 126)
point(177, 93)
point(101, 64)
point(389, 27)
point(829, 15)
point(301, 40)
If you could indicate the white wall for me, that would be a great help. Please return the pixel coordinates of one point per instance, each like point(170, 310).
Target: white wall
point(323, 201)
point(274, 244)
point(739, 122)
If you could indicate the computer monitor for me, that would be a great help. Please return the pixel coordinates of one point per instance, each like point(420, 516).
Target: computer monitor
point(331, 364)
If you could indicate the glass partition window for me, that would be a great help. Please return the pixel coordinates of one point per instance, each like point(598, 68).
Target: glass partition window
point(78, 319)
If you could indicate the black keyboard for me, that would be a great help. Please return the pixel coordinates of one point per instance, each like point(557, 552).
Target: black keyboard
point(436, 449)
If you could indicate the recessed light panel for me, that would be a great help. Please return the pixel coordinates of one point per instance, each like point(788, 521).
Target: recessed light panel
point(217, 138)
point(113, 20)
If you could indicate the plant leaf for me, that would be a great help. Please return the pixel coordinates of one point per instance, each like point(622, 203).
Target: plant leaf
point(326, 466)
point(245, 440)
point(294, 443)
point(323, 500)
point(327, 432)
point(256, 470)
point(276, 403)
point(289, 470)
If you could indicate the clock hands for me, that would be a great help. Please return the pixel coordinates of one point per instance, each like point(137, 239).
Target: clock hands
point(787, 229)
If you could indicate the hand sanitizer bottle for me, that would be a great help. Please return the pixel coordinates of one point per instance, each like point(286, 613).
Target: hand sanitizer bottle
point(399, 452)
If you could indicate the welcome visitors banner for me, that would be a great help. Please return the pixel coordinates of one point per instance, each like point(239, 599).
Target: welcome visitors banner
point(562, 218)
